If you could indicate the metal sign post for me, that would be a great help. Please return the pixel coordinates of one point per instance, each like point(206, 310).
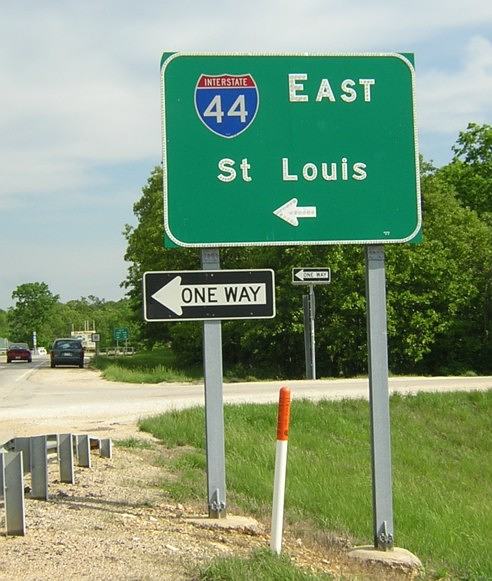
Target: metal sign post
point(379, 398)
point(214, 406)
point(311, 276)
point(210, 295)
point(307, 337)
point(312, 313)
point(95, 338)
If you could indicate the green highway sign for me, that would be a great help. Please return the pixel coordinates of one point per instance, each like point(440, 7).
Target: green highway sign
point(289, 149)
point(120, 334)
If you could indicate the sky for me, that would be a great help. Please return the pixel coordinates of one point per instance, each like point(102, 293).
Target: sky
point(80, 118)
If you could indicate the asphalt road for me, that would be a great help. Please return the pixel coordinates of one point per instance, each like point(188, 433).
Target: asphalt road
point(35, 399)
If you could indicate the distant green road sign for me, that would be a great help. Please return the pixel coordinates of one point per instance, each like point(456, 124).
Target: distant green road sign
point(289, 149)
point(120, 334)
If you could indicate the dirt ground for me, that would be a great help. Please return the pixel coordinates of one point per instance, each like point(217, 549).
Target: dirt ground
point(117, 522)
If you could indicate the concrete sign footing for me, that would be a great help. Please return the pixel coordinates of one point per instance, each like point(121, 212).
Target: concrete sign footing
point(395, 557)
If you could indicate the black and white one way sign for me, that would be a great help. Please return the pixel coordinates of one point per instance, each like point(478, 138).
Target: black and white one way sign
point(311, 275)
point(196, 295)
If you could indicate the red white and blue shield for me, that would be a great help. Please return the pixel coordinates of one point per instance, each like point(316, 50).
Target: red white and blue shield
point(226, 104)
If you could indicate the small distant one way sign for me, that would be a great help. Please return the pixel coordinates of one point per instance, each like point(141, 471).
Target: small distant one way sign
point(196, 295)
point(311, 275)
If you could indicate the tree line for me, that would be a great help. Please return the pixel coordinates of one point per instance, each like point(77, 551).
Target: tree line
point(38, 309)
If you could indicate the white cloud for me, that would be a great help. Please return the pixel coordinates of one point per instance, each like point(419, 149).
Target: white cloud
point(68, 103)
point(449, 100)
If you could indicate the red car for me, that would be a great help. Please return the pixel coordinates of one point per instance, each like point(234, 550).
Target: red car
point(19, 352)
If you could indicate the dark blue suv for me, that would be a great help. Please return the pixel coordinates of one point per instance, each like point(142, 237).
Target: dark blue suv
point(67, 352)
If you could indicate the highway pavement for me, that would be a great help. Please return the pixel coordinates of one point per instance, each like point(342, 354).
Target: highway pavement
point(35, 399)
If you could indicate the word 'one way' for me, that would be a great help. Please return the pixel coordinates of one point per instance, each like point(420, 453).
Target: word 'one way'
point(174, 295)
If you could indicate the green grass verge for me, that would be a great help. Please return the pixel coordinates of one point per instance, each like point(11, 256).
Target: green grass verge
point(157, 375)
point(260, 566)
point(134, 443)
point(442, 472)
point(147, 367)
point(160, 365)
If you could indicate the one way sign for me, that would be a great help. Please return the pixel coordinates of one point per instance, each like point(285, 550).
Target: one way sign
point(311, 275)
point(196, 295)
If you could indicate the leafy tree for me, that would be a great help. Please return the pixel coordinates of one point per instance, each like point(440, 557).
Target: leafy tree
point(3, 324)
point(34, 307)
point(106, 316)
point(145, 252)
point(438, 290)
point(245, 343)
point(37, 309)
point(470, 173)
point(475, 146)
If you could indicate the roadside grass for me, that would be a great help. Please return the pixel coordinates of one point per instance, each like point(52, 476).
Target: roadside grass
point(160, 366)
point(260, 566)
point(146, 367)
point(442, 472)
point(134, 443)
point(159, 374)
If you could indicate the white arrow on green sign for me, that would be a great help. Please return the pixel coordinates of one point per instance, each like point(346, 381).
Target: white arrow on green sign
point(289, 149)
point(291, 212)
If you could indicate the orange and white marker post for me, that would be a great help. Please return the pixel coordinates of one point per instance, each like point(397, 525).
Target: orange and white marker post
point(280, 469)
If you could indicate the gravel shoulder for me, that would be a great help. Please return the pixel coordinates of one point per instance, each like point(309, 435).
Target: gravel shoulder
point(117, 522)
point(114, 522)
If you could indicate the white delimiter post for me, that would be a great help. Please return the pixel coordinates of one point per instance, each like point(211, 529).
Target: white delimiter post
point(280, 469)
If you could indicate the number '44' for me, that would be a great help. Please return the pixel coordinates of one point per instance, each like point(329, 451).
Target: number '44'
point(237, 109)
